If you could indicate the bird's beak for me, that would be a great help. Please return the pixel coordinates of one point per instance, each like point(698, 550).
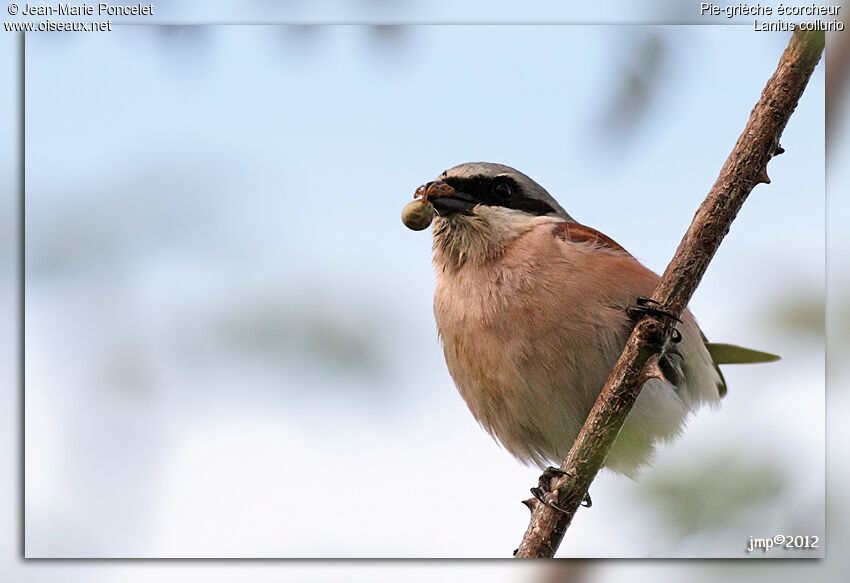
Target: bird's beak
point(446, 200)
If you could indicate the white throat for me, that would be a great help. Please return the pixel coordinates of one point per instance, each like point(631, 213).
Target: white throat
point(482, 236)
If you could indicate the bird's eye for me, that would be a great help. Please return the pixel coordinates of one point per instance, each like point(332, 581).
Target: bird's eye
point(502, 190)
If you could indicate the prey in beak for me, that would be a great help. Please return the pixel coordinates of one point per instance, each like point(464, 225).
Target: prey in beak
point(446, 200)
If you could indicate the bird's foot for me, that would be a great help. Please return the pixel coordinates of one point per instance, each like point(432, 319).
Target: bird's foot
point(544, 494)
point(645, 306)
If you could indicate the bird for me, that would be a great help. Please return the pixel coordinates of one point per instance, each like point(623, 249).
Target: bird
point(533, 309)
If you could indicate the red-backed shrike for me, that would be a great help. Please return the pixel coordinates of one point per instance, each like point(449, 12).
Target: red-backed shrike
point(533, 310)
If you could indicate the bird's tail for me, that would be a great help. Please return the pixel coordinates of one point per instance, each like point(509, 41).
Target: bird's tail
point(731, 354)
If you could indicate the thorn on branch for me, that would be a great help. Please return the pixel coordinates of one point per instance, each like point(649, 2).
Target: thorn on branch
point(763, 177)
point(779, 150)
point(652, 371)
point(531, 504)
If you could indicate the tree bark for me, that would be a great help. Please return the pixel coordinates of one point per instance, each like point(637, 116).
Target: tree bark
point(745, 167)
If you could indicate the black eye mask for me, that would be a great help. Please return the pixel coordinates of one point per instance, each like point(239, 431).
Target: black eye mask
point(501, 191)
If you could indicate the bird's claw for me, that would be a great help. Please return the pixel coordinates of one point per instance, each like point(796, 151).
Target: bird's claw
point(547, 498)
point(545, 495)
point(645, 306)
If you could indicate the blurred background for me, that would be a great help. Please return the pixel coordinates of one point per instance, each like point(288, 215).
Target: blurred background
point(230, 350)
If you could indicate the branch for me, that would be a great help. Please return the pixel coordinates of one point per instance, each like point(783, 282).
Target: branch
point(745, 167)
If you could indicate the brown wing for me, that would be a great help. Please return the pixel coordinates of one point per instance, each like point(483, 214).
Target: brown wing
point(670, 367)
point(578, 233)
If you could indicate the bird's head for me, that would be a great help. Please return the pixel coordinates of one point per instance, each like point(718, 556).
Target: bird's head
point(482, 207)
